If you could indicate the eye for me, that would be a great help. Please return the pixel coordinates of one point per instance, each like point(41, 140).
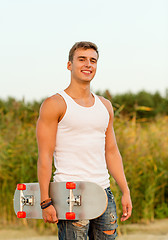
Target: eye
point(93, 61)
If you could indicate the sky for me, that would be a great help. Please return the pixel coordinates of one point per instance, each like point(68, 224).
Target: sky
point(36, 36)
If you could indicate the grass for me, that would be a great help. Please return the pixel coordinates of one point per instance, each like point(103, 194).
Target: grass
point(143, 146)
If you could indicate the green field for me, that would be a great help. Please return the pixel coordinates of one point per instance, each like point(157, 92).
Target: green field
point(143, 143)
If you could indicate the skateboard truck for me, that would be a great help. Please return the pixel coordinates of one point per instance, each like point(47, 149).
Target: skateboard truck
point(27, 200)
point(75, 199)
point(72, 200)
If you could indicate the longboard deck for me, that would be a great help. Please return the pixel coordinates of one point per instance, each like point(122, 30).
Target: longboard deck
point(93, 200)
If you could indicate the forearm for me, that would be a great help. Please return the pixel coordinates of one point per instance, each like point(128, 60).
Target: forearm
point(115, 167)
point(44, 176)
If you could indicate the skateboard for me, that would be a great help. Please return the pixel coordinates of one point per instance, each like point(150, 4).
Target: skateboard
point(72, 200)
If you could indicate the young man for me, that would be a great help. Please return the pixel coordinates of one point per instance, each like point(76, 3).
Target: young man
point(76, 126)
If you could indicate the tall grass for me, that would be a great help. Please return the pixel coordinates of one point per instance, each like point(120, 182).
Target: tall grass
point(143, 147)
point(18, 153)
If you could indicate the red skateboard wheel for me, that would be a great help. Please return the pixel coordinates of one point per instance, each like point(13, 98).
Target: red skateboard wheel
point(70, 185)
point(21, 214)
point(21, 186)
point(70, 215)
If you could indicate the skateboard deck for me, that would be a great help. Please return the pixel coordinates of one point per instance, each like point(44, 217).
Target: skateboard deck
point(72, 200)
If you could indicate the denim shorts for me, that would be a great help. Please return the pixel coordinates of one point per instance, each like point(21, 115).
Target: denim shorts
point(94, 229)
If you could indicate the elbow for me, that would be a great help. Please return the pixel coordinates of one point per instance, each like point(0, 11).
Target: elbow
point(44, 161)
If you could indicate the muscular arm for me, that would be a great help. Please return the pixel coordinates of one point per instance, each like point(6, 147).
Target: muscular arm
point(115, 165)
point(46, 138)
point(113, 157)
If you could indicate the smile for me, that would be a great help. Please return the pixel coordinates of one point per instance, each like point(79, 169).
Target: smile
point(86, 71)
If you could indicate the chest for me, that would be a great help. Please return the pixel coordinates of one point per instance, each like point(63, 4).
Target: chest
point(82, 119)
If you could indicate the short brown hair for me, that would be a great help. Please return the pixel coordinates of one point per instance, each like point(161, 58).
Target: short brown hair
point(84, 45)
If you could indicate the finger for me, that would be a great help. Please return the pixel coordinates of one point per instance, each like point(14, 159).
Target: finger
point(128, 215)
point(124, 218)
point(54, 218)
point(129, 210)
point(124, 211)
point(55, 222)
point(49, 219)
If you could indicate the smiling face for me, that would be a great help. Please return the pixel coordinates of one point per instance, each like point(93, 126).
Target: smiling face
point(83, 67)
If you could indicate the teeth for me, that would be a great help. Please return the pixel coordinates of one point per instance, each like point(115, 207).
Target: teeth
point(86, 71)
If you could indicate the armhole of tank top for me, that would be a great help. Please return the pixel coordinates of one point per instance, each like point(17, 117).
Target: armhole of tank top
point(95, 98)
point(104, 106)
point(59, 93)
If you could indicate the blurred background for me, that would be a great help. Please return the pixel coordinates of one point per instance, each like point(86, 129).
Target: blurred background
point(132, 37)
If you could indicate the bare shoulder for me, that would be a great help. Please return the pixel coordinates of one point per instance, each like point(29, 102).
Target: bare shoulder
point(52, 107)
point(107, 104)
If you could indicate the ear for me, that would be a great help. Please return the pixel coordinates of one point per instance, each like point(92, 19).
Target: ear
point(69, 65)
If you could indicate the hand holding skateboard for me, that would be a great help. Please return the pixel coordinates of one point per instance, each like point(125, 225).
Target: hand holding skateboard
point(49, 215)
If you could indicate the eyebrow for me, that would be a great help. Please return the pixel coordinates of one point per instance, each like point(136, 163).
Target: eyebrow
point(86, 57)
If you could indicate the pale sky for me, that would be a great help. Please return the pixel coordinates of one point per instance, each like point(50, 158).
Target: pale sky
point(36, 36)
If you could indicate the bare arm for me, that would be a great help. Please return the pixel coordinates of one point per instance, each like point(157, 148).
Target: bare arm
point(46, 139)
point(115, 165)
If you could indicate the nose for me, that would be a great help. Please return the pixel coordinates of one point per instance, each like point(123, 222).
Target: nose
point(87, 63)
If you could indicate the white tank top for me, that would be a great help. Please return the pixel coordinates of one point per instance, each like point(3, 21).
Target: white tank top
point(80, 143)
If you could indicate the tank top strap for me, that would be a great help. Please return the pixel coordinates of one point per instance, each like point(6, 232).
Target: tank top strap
point(65, 96)
point(97, 100)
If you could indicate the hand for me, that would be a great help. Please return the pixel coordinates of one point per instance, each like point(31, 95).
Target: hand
point(127, 206)
point(49, 215)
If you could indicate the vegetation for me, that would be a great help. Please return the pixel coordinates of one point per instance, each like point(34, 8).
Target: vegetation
point(141, 128)
point(143, 104)
point(145, 156)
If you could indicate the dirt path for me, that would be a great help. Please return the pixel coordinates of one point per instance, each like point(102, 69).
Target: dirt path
point(157, 230)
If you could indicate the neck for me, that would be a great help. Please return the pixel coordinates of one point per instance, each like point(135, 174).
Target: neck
point(79, 90)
